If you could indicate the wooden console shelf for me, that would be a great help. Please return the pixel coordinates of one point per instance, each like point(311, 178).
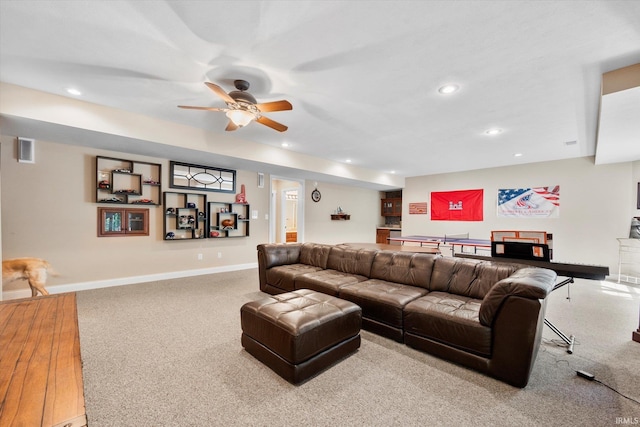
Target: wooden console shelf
point(40, 365)
point(340, 217)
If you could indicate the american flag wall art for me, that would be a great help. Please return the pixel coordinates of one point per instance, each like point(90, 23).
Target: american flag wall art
point(535, 202)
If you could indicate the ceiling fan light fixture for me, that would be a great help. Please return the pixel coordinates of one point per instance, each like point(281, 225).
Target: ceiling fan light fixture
point(240, 117)
point(493, 131)
point(448, 89)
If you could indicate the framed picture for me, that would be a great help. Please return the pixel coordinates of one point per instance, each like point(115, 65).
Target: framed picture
point(638, 199)
point(204, 178)
point(418, 208)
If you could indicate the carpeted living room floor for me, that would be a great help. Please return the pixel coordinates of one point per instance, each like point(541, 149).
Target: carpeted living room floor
point(168, 353)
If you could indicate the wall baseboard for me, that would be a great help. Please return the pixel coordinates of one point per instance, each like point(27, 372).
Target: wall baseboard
point(83, 286)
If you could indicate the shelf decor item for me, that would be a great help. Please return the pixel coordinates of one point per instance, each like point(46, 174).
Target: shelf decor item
point(241, 197)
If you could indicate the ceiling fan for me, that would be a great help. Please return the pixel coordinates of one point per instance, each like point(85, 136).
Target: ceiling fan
point(242, 107)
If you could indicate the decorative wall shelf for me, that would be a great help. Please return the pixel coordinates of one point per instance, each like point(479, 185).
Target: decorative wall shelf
point(185, 216)
point(340, 217)
point(127, 182)
point(228, 219)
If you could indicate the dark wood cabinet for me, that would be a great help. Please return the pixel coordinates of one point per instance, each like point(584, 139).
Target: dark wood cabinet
point(123, 222)
point(382, 234)
point(391, 207)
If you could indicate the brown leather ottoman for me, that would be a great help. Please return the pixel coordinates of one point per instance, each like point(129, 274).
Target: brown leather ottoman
point(298, 334)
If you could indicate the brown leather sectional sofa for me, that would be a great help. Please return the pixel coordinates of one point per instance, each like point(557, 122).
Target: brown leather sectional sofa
point(483, 315)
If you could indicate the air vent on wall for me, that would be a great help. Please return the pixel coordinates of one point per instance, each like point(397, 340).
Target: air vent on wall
point(26, 150)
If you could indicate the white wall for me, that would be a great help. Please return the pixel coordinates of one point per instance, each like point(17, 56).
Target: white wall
point(48, 211)
point(363, 205)
point(594, 205)
point(635, 191)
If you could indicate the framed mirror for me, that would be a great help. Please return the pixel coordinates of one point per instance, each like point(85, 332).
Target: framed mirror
point(203, 178)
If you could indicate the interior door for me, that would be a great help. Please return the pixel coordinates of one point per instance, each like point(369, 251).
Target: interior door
point(286, 219)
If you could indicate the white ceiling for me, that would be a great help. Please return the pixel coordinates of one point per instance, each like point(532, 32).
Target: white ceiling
point(363, 76)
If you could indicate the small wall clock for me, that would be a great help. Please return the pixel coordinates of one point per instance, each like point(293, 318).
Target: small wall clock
point(315, 195)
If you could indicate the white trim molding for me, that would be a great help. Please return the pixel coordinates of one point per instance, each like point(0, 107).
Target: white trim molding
point(83, 286)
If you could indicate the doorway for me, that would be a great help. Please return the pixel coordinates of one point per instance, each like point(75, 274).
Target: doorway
point(286, 218)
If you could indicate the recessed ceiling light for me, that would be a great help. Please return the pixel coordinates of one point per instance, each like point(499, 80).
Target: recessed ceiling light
point(494, 131)
point(392, 172)
point(517, 155)
point(447, 89)
point(285, 144)
point(348, 160)
point(73, 91)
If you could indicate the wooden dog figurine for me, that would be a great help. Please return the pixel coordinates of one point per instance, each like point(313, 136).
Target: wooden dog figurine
point(33, 270)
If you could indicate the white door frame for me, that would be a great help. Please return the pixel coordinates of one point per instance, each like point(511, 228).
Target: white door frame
point(273, 203)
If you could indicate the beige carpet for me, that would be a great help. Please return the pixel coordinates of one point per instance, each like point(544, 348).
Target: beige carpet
point(168, 353)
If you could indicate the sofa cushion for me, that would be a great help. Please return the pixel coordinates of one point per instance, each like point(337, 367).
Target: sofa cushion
point(277, 254)
point(314, 254)
point(351, 260)
point(283, 276)
point(326, 281)
point(450, 319)
point(468, 277)
point(380, 300)
point(407, 268)
point(530, 283)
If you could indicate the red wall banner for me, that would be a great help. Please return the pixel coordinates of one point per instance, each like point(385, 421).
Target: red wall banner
point(463, 205)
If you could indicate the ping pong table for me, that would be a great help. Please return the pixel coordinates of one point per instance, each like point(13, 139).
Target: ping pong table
point(453, 240)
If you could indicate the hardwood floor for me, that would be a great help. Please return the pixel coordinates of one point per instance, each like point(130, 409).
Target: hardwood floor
point(40, 364)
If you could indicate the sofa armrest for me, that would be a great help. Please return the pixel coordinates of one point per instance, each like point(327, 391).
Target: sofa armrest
point(530, 282)
point(273, 254)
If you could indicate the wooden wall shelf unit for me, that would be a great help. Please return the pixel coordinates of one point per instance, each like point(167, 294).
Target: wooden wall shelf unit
point(340, 217)
point(228, 219)
point(113, 222)
point(185, 215)
point(127, 182)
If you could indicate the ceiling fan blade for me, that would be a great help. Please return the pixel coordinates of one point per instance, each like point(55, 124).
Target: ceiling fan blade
point(220, 92)
point(231, 126)
point(202, 108)
point(274, 125)
point(274, 106)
